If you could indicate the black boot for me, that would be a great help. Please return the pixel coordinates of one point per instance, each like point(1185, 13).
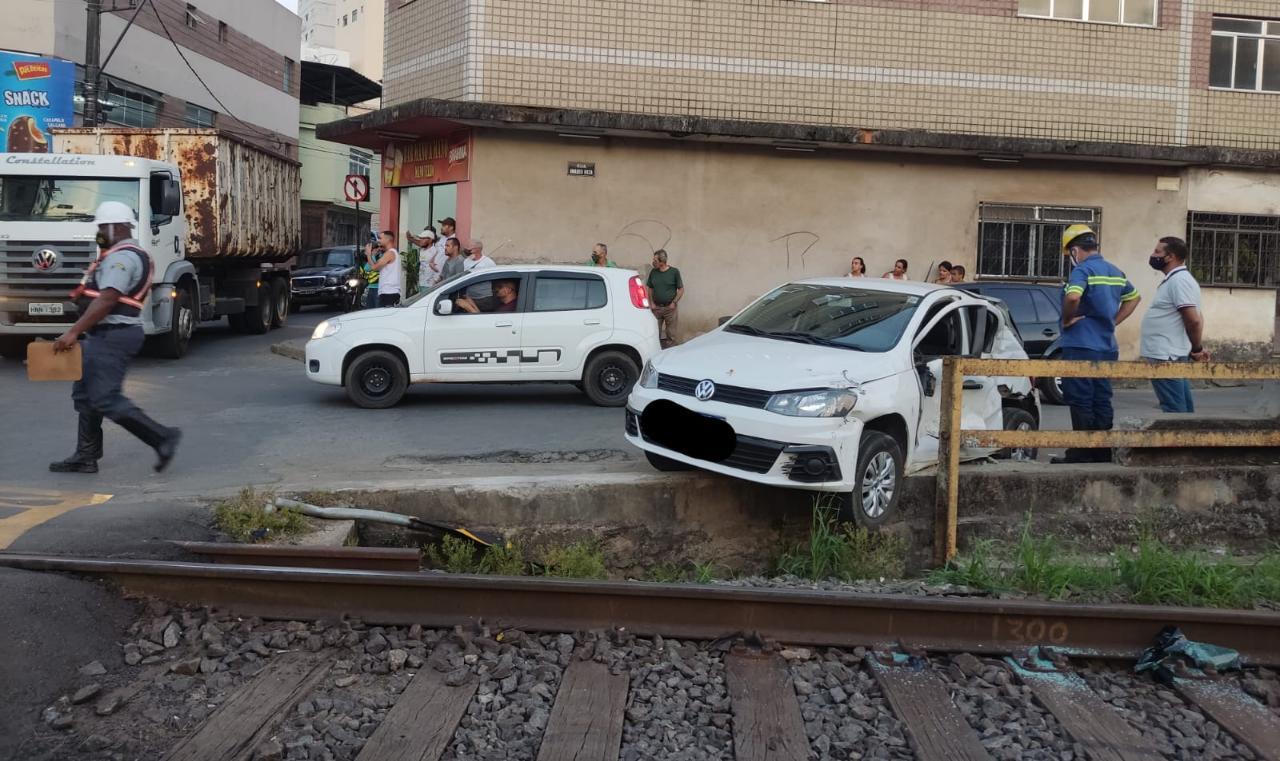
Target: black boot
point(163, 440)
point(88, 447)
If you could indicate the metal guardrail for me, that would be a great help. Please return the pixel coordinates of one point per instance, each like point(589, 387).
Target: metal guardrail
point(951, 436)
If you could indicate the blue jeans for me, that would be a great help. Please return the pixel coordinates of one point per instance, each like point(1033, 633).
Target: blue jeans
point(1174, 394)
point(1089, 398)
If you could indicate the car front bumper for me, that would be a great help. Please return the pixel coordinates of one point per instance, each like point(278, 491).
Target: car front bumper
point(326, 295)
point(818, 454)
point(323, 360)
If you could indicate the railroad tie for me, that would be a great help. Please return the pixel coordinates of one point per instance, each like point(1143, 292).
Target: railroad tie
point(421, 723)
point(586, 720)
point(1251, 722)
point(767, 725)
point(252, 714)
point(932, 722)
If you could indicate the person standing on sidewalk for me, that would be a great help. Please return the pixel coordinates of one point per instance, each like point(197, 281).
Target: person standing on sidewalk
point(1097, 298)
point(1172, 328)
point(110, 299)
point(388, 268)
point(666, 288)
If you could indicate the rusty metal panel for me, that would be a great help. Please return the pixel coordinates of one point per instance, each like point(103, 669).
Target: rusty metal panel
point(1091, 439)
point(1065, 368)
point(241, 201)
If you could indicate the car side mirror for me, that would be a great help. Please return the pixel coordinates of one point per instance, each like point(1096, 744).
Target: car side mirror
point(927, 380)
point(444, 306)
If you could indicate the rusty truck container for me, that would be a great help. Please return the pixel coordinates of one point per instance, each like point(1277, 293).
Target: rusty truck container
point(242, 202)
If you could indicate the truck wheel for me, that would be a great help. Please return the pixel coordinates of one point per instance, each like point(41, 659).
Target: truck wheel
point(14, 347)
point(279, 303)
point(609, 377)
point(376, 380)
point(1018, 419)
point(878, 480)
point(257, 319)
point(665, 464)
point(174, 342)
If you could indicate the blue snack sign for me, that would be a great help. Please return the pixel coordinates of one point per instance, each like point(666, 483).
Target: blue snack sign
point(36, 96)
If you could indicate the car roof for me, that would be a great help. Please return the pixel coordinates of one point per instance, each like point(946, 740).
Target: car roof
point(909, 287)
point(1009, 284)
point(585, 269)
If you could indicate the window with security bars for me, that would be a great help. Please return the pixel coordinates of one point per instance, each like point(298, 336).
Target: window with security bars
point(1025, 241)
point(1245, 54)
point(1131, 12)
point(1234, 249)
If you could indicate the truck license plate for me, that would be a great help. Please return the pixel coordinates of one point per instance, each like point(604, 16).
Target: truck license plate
point(44, 310)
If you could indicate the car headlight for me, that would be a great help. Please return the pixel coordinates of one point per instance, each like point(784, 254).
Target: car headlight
point(823, 402)
point(353, 283)
point(325, 329)
point(648, 376)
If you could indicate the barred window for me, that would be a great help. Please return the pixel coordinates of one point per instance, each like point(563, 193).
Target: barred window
point(1025, 241)
point(1234, 249)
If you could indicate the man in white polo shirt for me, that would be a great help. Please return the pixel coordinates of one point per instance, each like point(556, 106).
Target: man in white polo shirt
point(1173, 326)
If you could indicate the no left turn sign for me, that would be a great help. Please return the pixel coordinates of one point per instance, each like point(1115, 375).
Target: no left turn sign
point(356, 188)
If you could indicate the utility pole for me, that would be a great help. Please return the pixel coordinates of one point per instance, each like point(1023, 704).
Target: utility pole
point(92, 71)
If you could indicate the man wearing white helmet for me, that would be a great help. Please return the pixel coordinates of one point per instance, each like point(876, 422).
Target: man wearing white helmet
point(110, 300)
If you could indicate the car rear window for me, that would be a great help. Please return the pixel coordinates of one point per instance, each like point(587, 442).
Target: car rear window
point(559, 294)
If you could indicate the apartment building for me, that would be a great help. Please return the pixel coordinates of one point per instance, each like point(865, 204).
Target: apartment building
point(763, 140)
point(229, 64)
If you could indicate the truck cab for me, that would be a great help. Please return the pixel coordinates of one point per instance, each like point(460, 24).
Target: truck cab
point(47, 204)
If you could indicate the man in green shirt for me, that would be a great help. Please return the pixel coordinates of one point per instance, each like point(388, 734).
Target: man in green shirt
point(665, 291)
point(600, 256)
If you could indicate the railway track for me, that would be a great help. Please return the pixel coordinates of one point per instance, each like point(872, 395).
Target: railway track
point(854, 676)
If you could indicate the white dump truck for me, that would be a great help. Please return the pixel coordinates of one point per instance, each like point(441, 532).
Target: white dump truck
point(220, 218)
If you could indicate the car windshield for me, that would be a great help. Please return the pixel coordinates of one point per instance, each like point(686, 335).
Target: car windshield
point(332, 258)
point(433, 289)
point(847, 318)
point(59, 199)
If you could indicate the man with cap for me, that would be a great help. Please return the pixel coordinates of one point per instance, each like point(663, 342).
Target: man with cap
point(431, 256)
point(1096, 299)
point(110, 299)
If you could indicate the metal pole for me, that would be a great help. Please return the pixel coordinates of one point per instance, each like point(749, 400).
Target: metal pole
point(358, 239)
point(947, 504)
point(92, 71)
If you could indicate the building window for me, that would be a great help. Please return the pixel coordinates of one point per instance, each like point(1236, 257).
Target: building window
point(131, 106)
point(1234, 249)
point(199, 116)
point(355, 15)
point(288, 75)
point(1245, 54)
point(192, 19)
point(1131, 12)
point(344, 19)
point(359, 162)
point(1026, 241)
point(222, 31)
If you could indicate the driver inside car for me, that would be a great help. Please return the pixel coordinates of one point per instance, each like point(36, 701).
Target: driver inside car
point(505, 292)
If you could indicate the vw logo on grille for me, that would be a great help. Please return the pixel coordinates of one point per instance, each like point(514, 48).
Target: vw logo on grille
point(45, 259)
point(704, 390)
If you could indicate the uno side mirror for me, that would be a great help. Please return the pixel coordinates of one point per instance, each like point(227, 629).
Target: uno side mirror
point(444, 306)
point(927, 380)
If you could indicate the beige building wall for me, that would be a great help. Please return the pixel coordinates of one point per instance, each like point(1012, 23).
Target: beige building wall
point(358, 29)
point(739, 220)
point(951, 67)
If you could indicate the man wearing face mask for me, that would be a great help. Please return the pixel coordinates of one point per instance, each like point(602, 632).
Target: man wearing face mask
point(1173, 326)
point(110, 299)
point(1097, 298)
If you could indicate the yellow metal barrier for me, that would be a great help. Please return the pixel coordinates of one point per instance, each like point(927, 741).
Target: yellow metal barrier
point(951, 436)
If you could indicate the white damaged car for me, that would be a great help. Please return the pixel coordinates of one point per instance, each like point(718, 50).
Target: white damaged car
point(830, 385)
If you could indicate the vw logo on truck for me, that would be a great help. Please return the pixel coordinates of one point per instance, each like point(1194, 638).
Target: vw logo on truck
point(46, 259)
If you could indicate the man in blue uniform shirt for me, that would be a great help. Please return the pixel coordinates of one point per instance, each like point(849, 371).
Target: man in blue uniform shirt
point(1097, 298)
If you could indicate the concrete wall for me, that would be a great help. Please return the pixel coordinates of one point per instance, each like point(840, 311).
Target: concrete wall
point(362, 38)
point(325, 164)
point(738, 220)
point(317, 22)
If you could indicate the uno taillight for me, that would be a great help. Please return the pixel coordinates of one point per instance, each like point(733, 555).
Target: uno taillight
point(639, 297)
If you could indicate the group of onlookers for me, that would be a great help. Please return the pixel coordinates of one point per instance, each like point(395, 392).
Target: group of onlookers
point(947, 274)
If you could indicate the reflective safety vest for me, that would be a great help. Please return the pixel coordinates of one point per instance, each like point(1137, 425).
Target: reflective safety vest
point(129, 304)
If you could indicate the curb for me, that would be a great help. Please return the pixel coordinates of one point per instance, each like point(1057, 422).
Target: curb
point(290, 350)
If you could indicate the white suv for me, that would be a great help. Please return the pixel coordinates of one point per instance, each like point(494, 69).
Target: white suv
point(586, 325)
point(829, 385)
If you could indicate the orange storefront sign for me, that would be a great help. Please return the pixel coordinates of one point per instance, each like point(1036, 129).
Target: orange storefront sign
point(428, 162)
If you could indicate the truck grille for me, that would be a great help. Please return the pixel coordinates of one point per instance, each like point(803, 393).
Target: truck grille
point(21, 283)
point(747, 397)
point(308, 282)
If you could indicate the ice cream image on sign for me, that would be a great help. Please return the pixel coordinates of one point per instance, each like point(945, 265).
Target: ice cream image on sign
point(25, 136)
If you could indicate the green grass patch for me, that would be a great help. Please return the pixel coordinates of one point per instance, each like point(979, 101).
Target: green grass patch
point(675, 573)
point(246, 519)
point(580, 560)
point(843, 551)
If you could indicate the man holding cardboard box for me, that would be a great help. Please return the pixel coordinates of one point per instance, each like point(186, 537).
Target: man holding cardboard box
point(110, 299)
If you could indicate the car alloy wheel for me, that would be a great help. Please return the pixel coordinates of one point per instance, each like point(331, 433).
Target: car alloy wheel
point(879, 480)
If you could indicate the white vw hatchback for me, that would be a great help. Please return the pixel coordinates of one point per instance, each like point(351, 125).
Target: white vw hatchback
point(829, 385)
point(588, 326)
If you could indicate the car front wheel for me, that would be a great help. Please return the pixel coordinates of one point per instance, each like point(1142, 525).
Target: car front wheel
point(609, 377)
point(879, 473)
point(376, 379)
point(1018, 419)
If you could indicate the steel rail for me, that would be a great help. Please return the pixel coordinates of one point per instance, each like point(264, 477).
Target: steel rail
point(299, 556)
point(798, 617)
